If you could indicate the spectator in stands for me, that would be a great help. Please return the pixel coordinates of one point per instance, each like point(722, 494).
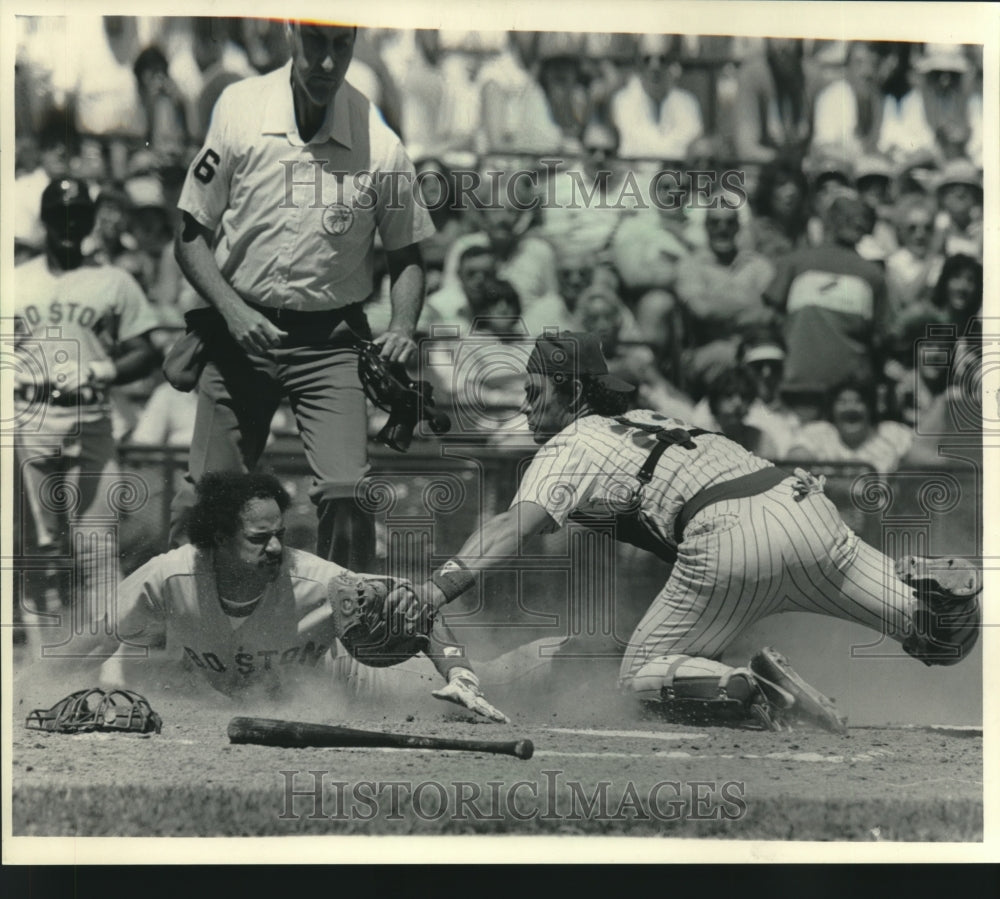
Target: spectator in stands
point(162, 103)
point(960, 196)
point(102, 89)
point(440, 105)
point(370, 75)
point(167, 418)
point(206, 61)
point(505, 84)
point(852, 431)
point(477, 268)
point(500, 312)
point(760, 362)
point(955, 410)
point(773, 105)
point(561, 78)
point(719, 290)
point(111, 238)
point(833, 302)
point(545, 114)
point(646, 249)
point(873, 182)
point(848, 113)
point(264, 43)
point(829, 174)
point(523, 258)
point(151, 226)
point(586, 208)
point(608, 60)
point(781, 208)
point(913, 269)
point(918, 370)
point(601, 311)
point(56, 145)
point(939, 111)
point(958, 294)
point(656, 118)
point(437, 191)
point(729, 398)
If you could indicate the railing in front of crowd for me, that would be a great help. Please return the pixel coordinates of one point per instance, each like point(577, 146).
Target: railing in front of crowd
point(454, 485)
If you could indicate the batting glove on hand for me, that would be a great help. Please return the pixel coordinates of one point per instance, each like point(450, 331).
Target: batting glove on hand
point(463, 689)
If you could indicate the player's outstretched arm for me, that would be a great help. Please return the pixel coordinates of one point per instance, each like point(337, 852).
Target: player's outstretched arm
point(497, 540)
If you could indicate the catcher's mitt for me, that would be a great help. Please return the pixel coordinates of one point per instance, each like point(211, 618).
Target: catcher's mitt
point(369, 632)
point(93, 709)
point(391, 389)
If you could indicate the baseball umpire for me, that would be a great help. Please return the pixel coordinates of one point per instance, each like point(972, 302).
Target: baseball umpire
point(79, 329)
point(254, 617)
point(280, 213)
point(745, 540)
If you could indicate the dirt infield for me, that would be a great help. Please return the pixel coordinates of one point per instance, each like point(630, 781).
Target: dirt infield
point(598, 768)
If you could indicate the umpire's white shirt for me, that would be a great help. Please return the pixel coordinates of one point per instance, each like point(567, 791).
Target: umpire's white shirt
point(296, 221)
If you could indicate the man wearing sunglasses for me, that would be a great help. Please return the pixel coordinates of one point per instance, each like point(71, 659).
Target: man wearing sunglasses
point(656, 119)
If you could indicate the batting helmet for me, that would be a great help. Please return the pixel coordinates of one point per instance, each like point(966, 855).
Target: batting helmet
point(67, 206)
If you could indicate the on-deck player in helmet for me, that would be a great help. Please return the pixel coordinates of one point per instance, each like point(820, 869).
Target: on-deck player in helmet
point(80, 328)
point(745, 540)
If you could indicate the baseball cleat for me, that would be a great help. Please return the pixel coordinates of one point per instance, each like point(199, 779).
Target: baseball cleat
point(771, 666)
point(953, 578)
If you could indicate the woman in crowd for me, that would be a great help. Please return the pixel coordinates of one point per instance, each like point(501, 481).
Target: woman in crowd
point(853, 432)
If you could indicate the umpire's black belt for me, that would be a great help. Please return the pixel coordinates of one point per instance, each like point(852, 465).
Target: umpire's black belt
point(317, 327)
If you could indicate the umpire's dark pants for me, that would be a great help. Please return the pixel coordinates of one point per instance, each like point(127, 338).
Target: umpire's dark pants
point(316, 368)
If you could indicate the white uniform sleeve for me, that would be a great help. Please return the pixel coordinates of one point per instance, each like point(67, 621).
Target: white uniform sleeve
point(140, 613)
point(400, 218)
point(205, 195)
point(560, 478)
point(136, 313)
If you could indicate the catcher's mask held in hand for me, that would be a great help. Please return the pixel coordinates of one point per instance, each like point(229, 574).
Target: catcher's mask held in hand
point(358, 603)
point(391, 389)
point(95, 710)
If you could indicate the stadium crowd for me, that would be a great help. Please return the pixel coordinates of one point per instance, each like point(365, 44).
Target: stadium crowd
point(779, 239)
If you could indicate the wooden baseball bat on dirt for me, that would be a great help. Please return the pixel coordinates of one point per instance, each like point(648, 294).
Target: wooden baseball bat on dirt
point(300, 734)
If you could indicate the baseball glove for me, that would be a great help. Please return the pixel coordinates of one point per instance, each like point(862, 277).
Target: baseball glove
point(93, 709)
point(368, 626)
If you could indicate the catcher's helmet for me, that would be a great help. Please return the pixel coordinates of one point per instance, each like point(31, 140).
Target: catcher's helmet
point(68, 207)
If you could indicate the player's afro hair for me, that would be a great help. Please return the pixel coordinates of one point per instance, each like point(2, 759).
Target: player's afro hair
point(222, 496)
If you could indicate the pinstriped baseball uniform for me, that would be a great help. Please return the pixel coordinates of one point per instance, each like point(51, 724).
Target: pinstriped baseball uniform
point(785, 549)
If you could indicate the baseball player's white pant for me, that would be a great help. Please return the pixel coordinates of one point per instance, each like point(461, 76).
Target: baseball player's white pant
point(744, 559)
point(69, 483)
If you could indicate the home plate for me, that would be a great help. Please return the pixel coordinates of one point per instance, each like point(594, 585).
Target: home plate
point(642, 734)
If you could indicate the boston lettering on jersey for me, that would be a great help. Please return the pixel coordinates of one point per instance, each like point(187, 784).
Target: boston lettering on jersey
point(249, 663)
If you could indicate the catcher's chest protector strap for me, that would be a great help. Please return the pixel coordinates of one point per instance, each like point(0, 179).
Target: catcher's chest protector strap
point(630, 526)
point(665, 438)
